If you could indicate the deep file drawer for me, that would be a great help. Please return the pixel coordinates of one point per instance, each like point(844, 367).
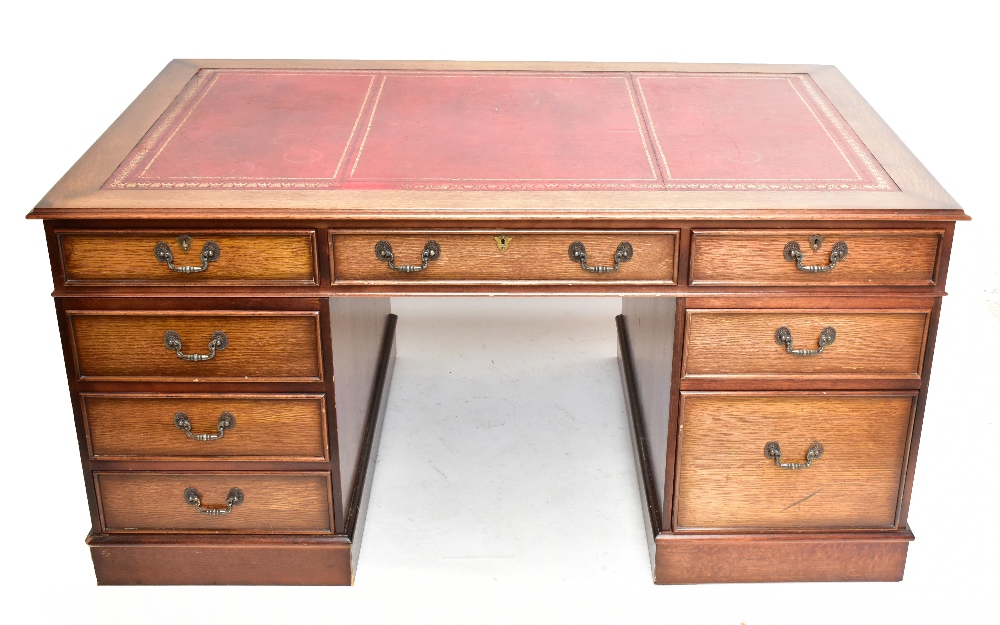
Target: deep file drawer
point(193, 346)
point(730, 446)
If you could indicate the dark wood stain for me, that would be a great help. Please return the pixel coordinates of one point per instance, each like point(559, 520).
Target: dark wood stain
point(312, 349)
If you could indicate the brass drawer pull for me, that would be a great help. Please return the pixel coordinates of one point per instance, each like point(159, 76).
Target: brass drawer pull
point(783, 336)
point(578, 254)
point(209, 254)
point(793, 253)
point(383, 252)
point(773, 450)
point(226, 422)
point(219, 342)
point(193, 497)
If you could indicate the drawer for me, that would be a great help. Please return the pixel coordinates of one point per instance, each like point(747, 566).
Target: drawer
point(140, 257)
point(272, 503)
point(725, 480)
point(254, 427)
point(744, 343)
point(258, 346)
point(757, 257)
point(529, 256)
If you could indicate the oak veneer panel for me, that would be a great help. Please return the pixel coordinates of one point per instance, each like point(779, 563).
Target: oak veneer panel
point(274, 503)
point(247, 257)
point(289, 427)
point(726, 482)
point(868, 344)
point(473, 256)
point(262, 345)
point(358, 326)
point(756, 258)
point(650, 325)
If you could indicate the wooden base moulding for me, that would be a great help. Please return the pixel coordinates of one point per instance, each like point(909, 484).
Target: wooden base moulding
point(814, 557)
point(172, 561)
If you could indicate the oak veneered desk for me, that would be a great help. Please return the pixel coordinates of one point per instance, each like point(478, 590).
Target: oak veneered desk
point(224, 255)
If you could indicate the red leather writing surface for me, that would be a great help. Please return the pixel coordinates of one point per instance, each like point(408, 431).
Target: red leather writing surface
point(504, 130)
point(270, 129)
point(763, 131)
point(499, 130)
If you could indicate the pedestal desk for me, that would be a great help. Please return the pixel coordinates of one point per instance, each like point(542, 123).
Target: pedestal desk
point(224, 255)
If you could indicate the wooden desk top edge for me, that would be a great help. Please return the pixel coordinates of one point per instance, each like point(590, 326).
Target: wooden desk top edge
point(78, 194)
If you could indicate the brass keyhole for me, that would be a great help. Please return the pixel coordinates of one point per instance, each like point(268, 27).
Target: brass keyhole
point(503, 242)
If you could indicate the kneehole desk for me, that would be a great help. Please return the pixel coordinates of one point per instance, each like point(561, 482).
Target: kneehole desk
point(224, 255)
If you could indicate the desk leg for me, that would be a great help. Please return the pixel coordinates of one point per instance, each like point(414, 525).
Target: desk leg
point(650, 341)
point(360, 349)
point(649, 324)
point(361, 491)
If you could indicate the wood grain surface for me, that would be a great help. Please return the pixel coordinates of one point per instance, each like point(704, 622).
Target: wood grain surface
point(133, 426)
point(181, 562)
point(262, 345)
point(650, 332)
point(726, 482)
point(274, 503)
point(741, 343)
point(126, 257)
point(357, 329)
point(740, 518)
point(756, 258)
point(531, 256)
point(695, 559)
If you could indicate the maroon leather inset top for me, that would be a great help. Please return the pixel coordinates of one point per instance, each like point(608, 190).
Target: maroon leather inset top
point(328, 129)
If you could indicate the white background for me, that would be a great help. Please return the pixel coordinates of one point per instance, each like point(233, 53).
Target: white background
point(929, 70)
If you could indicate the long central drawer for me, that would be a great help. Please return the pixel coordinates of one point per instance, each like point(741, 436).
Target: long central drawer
point(197, 345)
point(360, 257)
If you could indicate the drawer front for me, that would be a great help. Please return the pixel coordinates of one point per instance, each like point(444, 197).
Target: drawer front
point(725, 480)
point(276, 503)
point(244, 257)
point(529, 257)
point(757, 258)
point(253, 427)
point(260, 346)
point(743, 343)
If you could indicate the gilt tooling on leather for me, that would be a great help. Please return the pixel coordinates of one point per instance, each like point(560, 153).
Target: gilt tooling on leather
point(491, 130)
